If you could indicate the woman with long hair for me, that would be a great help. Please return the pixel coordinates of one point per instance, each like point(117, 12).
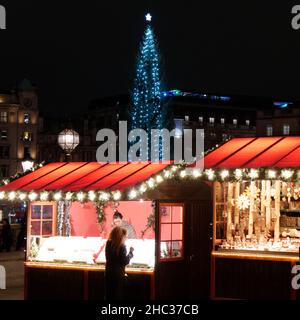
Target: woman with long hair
point(116, 260)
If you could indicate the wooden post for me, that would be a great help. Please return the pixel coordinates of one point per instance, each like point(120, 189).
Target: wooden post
point(236, 208)
point(251, 209)
point(268, 200)
point(277, 210)
point(229, 211)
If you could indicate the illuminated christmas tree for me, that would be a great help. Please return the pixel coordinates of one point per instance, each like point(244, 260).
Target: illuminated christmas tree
point(146, 111)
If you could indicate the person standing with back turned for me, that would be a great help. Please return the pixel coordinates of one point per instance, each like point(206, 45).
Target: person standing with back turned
point(116, 260)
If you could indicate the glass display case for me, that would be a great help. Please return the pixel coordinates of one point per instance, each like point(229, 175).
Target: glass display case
point(261, 216)
point(88, 250)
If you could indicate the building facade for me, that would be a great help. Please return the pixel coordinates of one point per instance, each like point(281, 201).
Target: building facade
point(18, 127)
point(221, 117)
point(279, 118)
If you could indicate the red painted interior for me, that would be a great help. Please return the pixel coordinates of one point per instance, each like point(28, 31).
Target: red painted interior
point(83, 218)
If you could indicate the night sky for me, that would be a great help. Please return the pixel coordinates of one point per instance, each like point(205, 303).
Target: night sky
point(77, 51)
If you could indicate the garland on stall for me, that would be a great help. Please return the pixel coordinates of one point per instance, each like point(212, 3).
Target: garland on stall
point(242, 174)
point(179, 171)
point(94, 195)
point(21, 174)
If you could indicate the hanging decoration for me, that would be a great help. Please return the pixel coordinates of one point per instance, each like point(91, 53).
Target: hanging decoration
point(67, 223)
point(100, 206)
point(150, 220)
point(243, 202)
point(60, 217)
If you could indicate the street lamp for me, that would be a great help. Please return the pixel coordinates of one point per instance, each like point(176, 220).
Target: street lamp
point(27, 162)
point(68, 140)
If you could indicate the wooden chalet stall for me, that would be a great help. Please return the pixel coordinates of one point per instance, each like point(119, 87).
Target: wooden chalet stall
point(256, 217)
point(70, 216)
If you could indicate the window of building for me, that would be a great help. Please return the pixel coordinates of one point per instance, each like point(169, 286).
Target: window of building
point(248, 123)
point(269, 130)
point(222, 120)
point(186, 118)
point(286, 129)
point(4, 152)
point(3, 116)
point(211, 120)
point(234, 121)
point(4, 171)
point(26, 118)
point(201, 119)
point(3, 135)
point(178, 128)
point(42, 219)
point(26, 136)
point(224, 136)
point(171, 231)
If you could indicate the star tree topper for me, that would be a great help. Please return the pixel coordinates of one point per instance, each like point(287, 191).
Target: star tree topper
point(148, 17)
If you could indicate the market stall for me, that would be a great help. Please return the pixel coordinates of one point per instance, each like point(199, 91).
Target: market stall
point(256, 217)
point(71, 212)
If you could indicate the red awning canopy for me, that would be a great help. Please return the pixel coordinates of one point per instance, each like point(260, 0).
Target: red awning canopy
point(277, 152)
point(73, 176)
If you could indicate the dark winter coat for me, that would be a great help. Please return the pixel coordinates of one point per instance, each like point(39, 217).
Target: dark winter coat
point(115, 271)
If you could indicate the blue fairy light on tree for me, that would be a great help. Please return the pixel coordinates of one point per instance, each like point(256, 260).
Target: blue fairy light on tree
point(146, 110)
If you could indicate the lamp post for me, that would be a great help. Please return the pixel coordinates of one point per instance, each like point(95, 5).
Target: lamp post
point(27, 162)
point(68, 140)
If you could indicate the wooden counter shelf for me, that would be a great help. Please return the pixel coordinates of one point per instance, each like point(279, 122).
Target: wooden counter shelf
point(253, 275)
point(46, 280)
point(260, 255)
point(85, 267)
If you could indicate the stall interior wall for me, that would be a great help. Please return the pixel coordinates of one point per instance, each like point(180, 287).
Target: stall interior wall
point(83, 218)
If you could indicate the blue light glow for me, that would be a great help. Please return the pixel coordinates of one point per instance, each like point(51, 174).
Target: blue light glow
point(178, 93)
point(282, 104)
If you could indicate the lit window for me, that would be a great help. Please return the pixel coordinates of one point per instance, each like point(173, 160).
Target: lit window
point(201, 119)
point(248, 123)
point(269, 130)
point(178, 128)
point(27, 136)
point(286, 129)
point(3, 116)
point(224, 136)
point(186, 118)
point(222, 120)
point(26, 118)
point(234, 121)
point(4, 171)
point(211, 120)
point(3, 135)
point(171, 231)
point(4, 152)
point(41, 218)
